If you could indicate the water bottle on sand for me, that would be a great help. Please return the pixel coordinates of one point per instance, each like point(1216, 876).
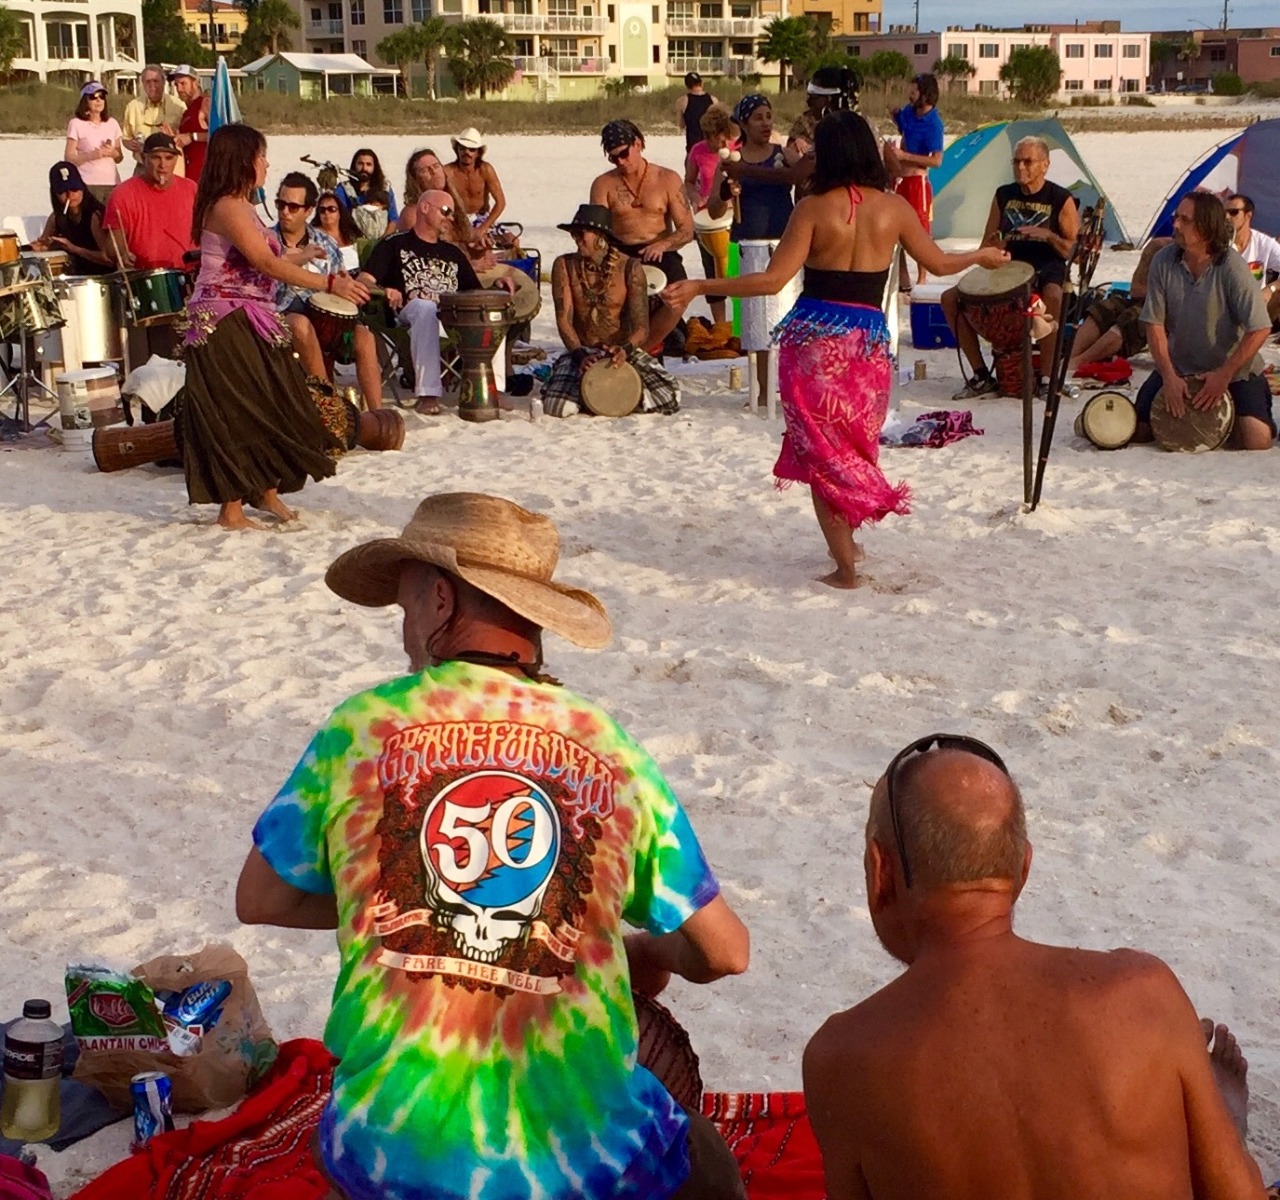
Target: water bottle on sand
point(31, 1111)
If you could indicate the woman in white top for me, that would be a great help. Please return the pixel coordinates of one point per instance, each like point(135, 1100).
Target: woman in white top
point(95, 142)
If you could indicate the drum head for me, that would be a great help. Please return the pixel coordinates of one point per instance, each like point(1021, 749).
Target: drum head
point(704, 222)
point(986, 282)
point(610, 391)
point(1109, 420)
point(328, 302)
point(1198, 429)
point(654, 279)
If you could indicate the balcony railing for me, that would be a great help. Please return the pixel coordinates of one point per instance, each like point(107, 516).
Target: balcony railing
point(733, 67)
point(544, 23)
point(324, 29)
point(550, 64)
point(708, 27)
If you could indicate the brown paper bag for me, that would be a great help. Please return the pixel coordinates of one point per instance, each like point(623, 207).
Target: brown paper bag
point(232, 1056)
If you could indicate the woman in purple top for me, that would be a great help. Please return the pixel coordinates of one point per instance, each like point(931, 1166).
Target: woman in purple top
point(247, 425)
point(95, 142)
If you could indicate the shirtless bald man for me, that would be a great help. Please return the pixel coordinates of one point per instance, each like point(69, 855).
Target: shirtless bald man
point(994, 1066)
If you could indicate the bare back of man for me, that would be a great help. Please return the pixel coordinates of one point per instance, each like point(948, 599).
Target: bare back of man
point(1024, 1071)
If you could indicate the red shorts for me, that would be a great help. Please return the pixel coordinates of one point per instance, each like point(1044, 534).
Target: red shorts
point(917, 192)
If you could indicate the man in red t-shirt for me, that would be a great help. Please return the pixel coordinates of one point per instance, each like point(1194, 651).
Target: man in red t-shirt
point(150, 214)
point(193, 129)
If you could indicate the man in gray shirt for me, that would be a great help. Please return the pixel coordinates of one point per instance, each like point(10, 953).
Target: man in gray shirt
point(1205, 316)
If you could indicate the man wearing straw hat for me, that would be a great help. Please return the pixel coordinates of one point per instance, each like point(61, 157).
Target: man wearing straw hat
point(602, 312)
point(478, 835)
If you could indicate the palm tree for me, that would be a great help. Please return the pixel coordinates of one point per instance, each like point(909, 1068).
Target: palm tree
point(13, 39)
point(479, 56)
point(270, 23)
point(400, 48)
point(786, 40)
point(432, 36)
point(953, 68)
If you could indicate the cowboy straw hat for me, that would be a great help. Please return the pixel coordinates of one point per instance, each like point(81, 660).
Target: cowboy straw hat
point(469, 139)
point(506, 551)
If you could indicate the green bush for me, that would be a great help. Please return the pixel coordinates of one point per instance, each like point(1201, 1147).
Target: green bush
point(1269, 90)
point(1228, 83)
point(1139, 101)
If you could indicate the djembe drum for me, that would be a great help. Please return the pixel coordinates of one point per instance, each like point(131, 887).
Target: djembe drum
point(609, 391)
point(478, 322)
point(664, 1050)
point(122, 446)
point(713, 236)
point(1108, 420)
point(995, 301)
point(1198, 429)
point(332, 318)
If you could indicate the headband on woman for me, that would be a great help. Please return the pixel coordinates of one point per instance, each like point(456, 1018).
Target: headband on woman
point(747, 105)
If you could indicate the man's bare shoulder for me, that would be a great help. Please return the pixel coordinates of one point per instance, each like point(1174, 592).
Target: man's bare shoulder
point(667, 177)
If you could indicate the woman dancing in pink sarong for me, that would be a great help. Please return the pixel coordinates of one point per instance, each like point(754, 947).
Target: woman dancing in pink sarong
point(834, 368)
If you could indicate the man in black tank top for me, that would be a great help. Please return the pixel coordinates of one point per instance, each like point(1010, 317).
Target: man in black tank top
point(691, 107)
point(1037, 222)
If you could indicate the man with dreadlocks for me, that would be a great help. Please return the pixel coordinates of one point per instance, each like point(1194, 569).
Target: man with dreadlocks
point(602, 312)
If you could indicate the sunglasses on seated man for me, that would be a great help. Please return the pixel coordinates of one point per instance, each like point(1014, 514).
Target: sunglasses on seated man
point(290, 206)
point(935, 741)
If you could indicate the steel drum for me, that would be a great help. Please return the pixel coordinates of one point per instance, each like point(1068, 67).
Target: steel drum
point(478, 322)
point(94, 306)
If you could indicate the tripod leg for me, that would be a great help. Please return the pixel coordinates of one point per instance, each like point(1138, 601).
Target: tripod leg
point(1028, 407)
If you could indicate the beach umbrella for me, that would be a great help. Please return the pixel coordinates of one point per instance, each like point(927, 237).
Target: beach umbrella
point(223, 109)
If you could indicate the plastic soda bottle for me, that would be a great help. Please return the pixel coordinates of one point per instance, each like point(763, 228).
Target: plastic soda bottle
point(31, 1111)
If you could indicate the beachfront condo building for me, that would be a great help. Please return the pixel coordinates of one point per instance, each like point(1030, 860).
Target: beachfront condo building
point(71, 43)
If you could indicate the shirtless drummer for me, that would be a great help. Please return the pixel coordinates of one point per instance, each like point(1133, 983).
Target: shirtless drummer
point(651, 215)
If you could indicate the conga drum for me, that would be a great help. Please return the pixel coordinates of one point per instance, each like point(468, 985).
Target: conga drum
point(1108, 420)
point(332, 318)
point(994, 301)
point(664, 1050)
point(122, 446)
point(1197, 429)
point(610, 391)
point(478, 322)
point(713, 236)
point(380, 429)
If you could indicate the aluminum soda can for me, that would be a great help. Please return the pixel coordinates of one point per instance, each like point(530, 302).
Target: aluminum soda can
point(922, 368)
point(735, 379)
point(152, 1093)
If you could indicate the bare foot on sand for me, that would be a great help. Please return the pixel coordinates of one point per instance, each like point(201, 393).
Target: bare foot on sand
point(231, 516)
point(272, 503)
point(841, 579)
point(1230, 1069)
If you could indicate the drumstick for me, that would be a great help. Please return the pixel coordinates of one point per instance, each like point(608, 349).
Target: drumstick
point(128, 290)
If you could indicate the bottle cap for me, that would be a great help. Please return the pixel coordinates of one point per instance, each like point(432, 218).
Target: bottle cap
point(37, 1010)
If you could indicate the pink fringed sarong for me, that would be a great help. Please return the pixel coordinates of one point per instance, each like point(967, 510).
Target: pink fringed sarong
point(834, 374)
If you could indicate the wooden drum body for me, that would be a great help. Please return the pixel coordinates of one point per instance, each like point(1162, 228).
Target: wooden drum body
point(333, 318)
point(10, 247)
point(995, 303)
point(477, 321)
point(610, 391)
point(124, 446)
point(713, 237)
point(1197, 429)
point(1108, 420)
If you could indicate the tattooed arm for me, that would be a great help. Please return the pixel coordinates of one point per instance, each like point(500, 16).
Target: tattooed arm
point(634, 326)
point(679, 213)
point(562, 294)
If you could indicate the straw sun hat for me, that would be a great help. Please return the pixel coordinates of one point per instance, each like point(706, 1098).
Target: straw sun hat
point(506, 551)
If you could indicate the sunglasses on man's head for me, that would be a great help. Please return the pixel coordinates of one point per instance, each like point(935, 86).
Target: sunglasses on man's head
point(617, 156)
point(935, 741)
point(289, 206)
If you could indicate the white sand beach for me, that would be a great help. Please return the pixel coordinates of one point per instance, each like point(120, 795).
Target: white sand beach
point(158, 678)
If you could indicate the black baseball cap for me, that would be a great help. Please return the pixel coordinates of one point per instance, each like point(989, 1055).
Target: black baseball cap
point(160, 141)
point(692, 79)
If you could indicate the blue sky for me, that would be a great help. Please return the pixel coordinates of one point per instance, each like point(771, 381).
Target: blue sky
point(1136, 14)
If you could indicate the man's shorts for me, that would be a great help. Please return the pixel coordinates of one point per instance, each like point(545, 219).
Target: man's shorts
point(1117, 312)
point(1250, 395)
point(1054, 272)
point(671, 263)
point(918, 192)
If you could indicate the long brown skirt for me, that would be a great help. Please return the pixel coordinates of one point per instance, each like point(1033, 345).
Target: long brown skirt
point(248, 423)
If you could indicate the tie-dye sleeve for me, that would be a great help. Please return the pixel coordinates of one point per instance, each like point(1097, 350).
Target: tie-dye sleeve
point(672, 879)
point(292, 833)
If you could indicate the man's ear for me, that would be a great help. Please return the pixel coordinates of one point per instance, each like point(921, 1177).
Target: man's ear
point(882, 884)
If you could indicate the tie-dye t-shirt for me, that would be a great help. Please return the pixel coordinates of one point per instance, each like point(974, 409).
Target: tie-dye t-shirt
point(486, 838)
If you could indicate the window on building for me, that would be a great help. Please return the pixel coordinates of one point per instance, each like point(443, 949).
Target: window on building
point(988, 87)
point(740, 12)
point(524, 47)
point(357, 12)
point(988, 49)
point(282, 85)
point(710, 49)
point(657, 15)
point(359, 46)
point(421, 9)
point(742, 49)
point(679, 48)
point(856, 52)
point(613, 53)
point(609, 14)
point(1102, 85)
point(657, 50)
point(681, 10)
point(1275, 51)
point(393, 12)
point(68, 39)
point(1131, 85)
point(1074, 85)
point(1103, 50)
point(960, 50)
point(1073, 50)
point(920, 48)
point(710, 12)
point(1132, 50)
point(1218, 54)
point(1020, 46)
point(315, 15)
